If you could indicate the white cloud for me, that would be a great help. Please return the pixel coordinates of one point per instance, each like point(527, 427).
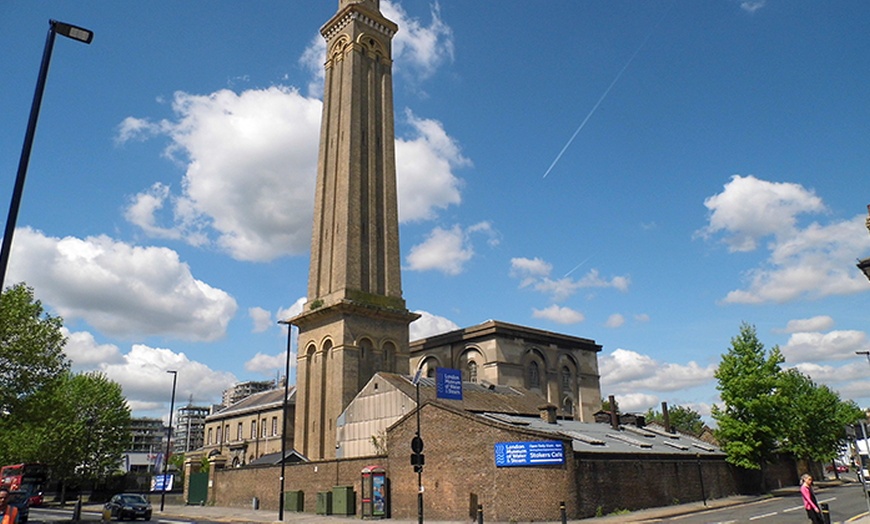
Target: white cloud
point(86, 354)
point(625, 371)
point(750, 209)
point(269, 364)
point(752, 6)
point(429, 325)
point(535, 272)
point(146, 383)
point(807, 262)
point(641, 317)
point(262, 319)
point(251, 163)
point(446, 250)
point(635, 402)
point(558, 314)
point(815, 347)
point(121, 289)
point(251, 160)
point(424, 170)
point(418, 49)
point(615, 320)
point(818, 323)
point(814, 262)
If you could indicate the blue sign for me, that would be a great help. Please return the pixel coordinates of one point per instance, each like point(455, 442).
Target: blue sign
point(448, 383)
point(161, 482)
point(542, 453)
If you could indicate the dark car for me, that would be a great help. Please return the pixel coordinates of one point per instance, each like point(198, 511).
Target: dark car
point(129, 506)
point(21, 500)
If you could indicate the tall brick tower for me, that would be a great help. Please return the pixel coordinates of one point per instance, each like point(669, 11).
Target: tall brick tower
point(355, 322)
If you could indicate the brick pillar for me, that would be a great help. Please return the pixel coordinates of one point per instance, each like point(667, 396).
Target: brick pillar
point(214, 464)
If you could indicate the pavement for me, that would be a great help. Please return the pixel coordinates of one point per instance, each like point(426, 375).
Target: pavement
point(252, 516)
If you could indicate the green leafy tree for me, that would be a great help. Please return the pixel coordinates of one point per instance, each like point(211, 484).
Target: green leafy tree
point(83, 430)
point(748, 422)
point(682, 419)
point(814, 418)
point(31, 348)
point(605, 404)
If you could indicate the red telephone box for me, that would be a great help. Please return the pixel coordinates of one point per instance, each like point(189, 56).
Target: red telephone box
point(375, 493)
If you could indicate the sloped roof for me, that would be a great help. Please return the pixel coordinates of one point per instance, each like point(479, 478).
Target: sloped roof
point(270, 399)
point(476, 397)
point(588, 437)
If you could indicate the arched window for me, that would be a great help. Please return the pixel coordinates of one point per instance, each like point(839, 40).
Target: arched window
point(471, 371)
point(534, 375)
point(566, 379)
point(389, 355)
point(568, 405)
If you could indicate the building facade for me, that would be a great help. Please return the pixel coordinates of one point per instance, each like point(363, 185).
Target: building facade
point(189, 431)
point(250, 428)
point(355, 322)
point(148, 441)
point(562, 369)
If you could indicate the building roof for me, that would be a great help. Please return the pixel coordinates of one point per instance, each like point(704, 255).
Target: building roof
point(499, 329)
point(271, 399)
point(588, 437)
point(476, 397)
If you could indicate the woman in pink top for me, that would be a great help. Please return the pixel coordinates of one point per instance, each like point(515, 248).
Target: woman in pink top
point(814, 512)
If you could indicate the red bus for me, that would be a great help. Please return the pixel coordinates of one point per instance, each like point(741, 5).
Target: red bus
point(26, 477)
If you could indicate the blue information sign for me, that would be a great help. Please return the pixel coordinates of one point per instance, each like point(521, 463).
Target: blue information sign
point(546, 452)
point(449, 383)
point(161, 482)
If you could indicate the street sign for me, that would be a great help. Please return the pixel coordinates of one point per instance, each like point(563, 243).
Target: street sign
point(540, 453)
point(449, 383)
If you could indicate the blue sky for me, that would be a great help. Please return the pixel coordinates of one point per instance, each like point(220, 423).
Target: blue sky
point(645, 174)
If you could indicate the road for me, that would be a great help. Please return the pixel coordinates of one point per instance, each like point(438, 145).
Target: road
point(44, 515)
point(845, 502)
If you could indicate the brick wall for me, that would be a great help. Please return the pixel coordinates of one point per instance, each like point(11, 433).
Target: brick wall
point(459, 470)
point(236, 487)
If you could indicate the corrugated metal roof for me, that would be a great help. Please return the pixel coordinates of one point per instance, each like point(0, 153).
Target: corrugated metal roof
point(587, 437)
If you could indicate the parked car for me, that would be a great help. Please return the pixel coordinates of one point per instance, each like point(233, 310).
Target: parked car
point(21, 500)
point(840, 468)
point(129, 506)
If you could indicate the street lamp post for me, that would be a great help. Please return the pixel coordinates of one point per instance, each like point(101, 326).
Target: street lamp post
point(284, 420)
point(54, 27)
point(168, 440)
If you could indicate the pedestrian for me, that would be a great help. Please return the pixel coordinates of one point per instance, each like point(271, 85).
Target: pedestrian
point(814, 512)
point(10, 513)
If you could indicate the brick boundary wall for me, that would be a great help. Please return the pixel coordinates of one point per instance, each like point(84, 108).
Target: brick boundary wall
point(237, 487)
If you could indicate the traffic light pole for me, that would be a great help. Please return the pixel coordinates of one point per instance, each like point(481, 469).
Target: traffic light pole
point(419, 468)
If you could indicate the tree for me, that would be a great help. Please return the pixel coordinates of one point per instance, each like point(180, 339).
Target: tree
point(682, 419)
point(31, 348)
point(814, 418)
point(747, 382)
point(83, 429)
point(605, 404)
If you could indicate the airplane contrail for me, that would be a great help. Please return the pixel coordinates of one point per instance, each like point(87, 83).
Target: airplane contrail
point(578, 266)
point(603, 96)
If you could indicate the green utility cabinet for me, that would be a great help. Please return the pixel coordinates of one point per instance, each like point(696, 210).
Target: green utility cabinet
point(343, 500)
point(294, 501)
point(323, 505)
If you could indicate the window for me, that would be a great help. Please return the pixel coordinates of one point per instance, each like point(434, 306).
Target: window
point(239, 432)
point(226, 433)
point(534, 375)
point(263, 425)
point(471, 371)
point(209, 436)
point(568, 406)
point(253, 429)
point(218, 441)
point(274, 426)
point(566, 379)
